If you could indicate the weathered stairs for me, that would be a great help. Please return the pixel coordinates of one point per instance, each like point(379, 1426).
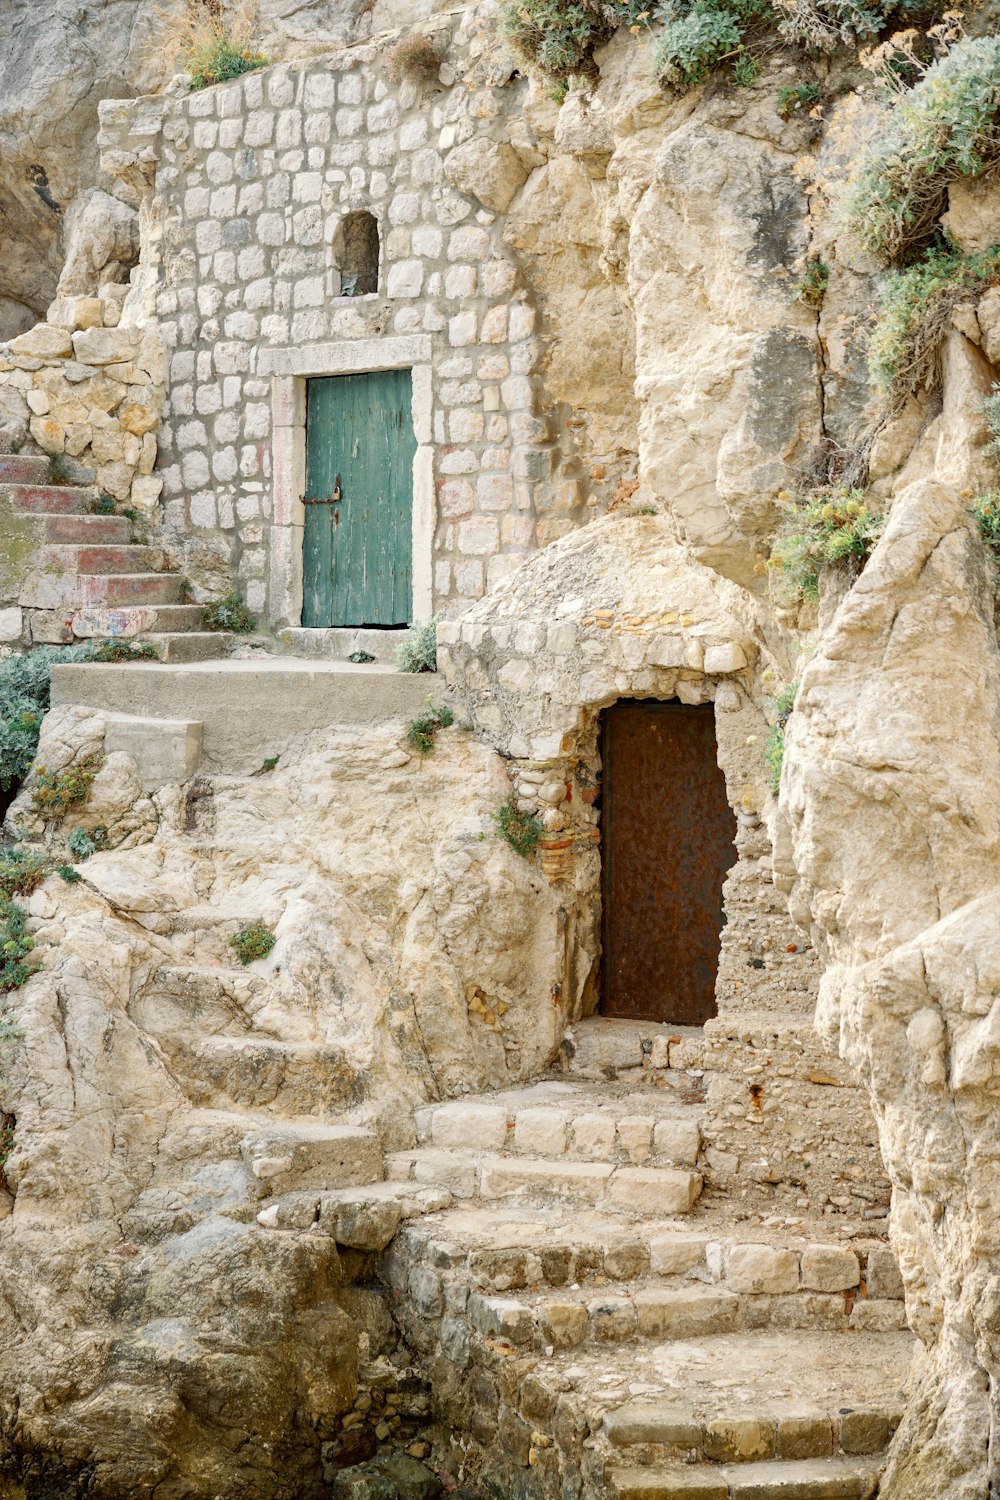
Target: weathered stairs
point(90, 580)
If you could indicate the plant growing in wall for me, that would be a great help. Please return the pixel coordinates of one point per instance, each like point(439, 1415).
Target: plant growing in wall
point(229, 613)
point(830, 527)
point(986, 514)
point(252, 942)
point(521, 829)
point(418, 652)
point(21, 871)
point(812, 284)
point(82, 844)
point(774, 745)
point(793, 98)
point(16, 947)
point(414, 56)
point(210, 44)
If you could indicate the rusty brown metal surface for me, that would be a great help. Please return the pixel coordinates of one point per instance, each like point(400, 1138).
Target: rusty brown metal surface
point(668, 834)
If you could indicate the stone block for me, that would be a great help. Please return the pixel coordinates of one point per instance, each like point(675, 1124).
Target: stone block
point(691, 1313)
point(540, 1132)
point(502, 1316)
point(594, 1136)
point(635, 1135)
point(672, 1254)
point(762, 1268)
point(677, 1141)
point(612, 1318)
point(44, 341)
point(167, 752)
point(729, 657)
point(882, 1275)
point(481, 1127)
point(805, 1436)
point(739, 1440)
point(864, 1431)
point(654, 1191)
point(582, 1182)
point(105, 346)
point(878, 1316)
point(11, 624)
point(829, 1268)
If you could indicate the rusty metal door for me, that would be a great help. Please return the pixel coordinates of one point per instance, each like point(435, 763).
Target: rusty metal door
point(667, 839)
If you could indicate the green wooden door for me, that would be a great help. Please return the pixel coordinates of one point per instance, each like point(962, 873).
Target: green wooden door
point(357, 559)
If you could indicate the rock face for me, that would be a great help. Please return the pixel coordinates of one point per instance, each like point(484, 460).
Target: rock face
point(165, 1091)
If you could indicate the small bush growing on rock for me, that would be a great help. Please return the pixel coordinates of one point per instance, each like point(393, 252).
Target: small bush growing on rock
point(812, 284)
point(415, 57)
point(986, 514)
point(55, 792)
point(991, 411)
point(24, 702)
point(794, 97)
point(692, 44)
point(21, 871)
point(252, 942)
point(915, 308)
point(947, 126)
point(422, 730)
point(105, 505)
point(10, 1031)
point(774, 746)
point(558, 37)
point(15, 947)
point(746, 70)
point(229, 613)
point(67, 873)
point(82, 844)
point(831, 526)
point(522, 830)
point(209, 45)
point(418, 652)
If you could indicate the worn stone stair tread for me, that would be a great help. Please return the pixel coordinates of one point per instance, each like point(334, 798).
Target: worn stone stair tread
point(475, 1174)
point(15, 468)
point(803, 1479)
point(103, 558)
point(194, 645)
point(38, 498)
point(87, 530)
point(142, 621)
point(365, 1217)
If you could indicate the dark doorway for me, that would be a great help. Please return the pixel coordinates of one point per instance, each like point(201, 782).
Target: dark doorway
point(356, 254)
point(667, 838)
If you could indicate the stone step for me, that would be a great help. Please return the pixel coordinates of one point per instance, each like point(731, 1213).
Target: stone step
point(52, 499)
point(140, 588)
point(293, 1155)
point(213, 1000)
point(54, 588)
point(339, 644)
point(113, 558)
point(640, 1190)
point(572, 1123)
point(23, 468)
point(150, 621)
point(808, 1479)
point(362, 1218)
point(604, 1047)
point(258, 1072)
point(88, 530)
point(195, 645)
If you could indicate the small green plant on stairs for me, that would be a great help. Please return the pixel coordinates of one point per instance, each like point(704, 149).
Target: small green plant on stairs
point(774, 745)
point(56, 792)
point(418, 652)
point(252, 942)
point(421, 731)
point(230, 614)
point(119, 650)
point(521, 829)
point(360, 657)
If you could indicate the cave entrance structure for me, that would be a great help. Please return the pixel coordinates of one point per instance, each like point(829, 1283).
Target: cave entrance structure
point(668, 844)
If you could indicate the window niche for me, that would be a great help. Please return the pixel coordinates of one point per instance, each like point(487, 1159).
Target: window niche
point(356, 254)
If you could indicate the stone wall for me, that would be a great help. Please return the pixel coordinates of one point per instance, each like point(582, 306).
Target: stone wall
point(246, 187)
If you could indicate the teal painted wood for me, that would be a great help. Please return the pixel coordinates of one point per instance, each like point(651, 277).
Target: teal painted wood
point(357, 553)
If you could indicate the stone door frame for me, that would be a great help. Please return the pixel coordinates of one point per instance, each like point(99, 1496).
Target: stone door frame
point(289, 370)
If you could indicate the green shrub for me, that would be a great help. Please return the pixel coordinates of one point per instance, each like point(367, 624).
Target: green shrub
point(10, 1031)
point(692, 44)
point(521, 830)
point(986, 514)
point(812, 284)
point(558, 37)
point(82, 844)
point(119, 649)
point(266, 765)
point(67, 873)
point(793, 97)
point(252, 942)
point(229, 613)
point(746, 70)
point(55, 792)
point(915, 308)
point(991, 411)
point(418, 652)
point(220, 59)
point(829, 527)
point(24, 702)
point(774, 746)
point(15, 947)
point(21, 871)
point(947, 126)
point(422, 730)
point(105, 505)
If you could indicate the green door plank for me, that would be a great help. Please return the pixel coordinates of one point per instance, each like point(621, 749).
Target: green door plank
point(357, 553)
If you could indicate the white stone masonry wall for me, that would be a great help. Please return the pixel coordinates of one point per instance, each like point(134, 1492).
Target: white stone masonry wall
point(249, 182)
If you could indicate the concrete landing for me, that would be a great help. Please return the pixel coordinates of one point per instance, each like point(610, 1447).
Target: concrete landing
point(248, 709)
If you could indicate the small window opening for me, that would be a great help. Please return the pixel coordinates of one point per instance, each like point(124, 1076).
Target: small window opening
point(355, 253)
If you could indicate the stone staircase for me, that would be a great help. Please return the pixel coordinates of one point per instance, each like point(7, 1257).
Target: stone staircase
point(593, 1327)
point(87, 578)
